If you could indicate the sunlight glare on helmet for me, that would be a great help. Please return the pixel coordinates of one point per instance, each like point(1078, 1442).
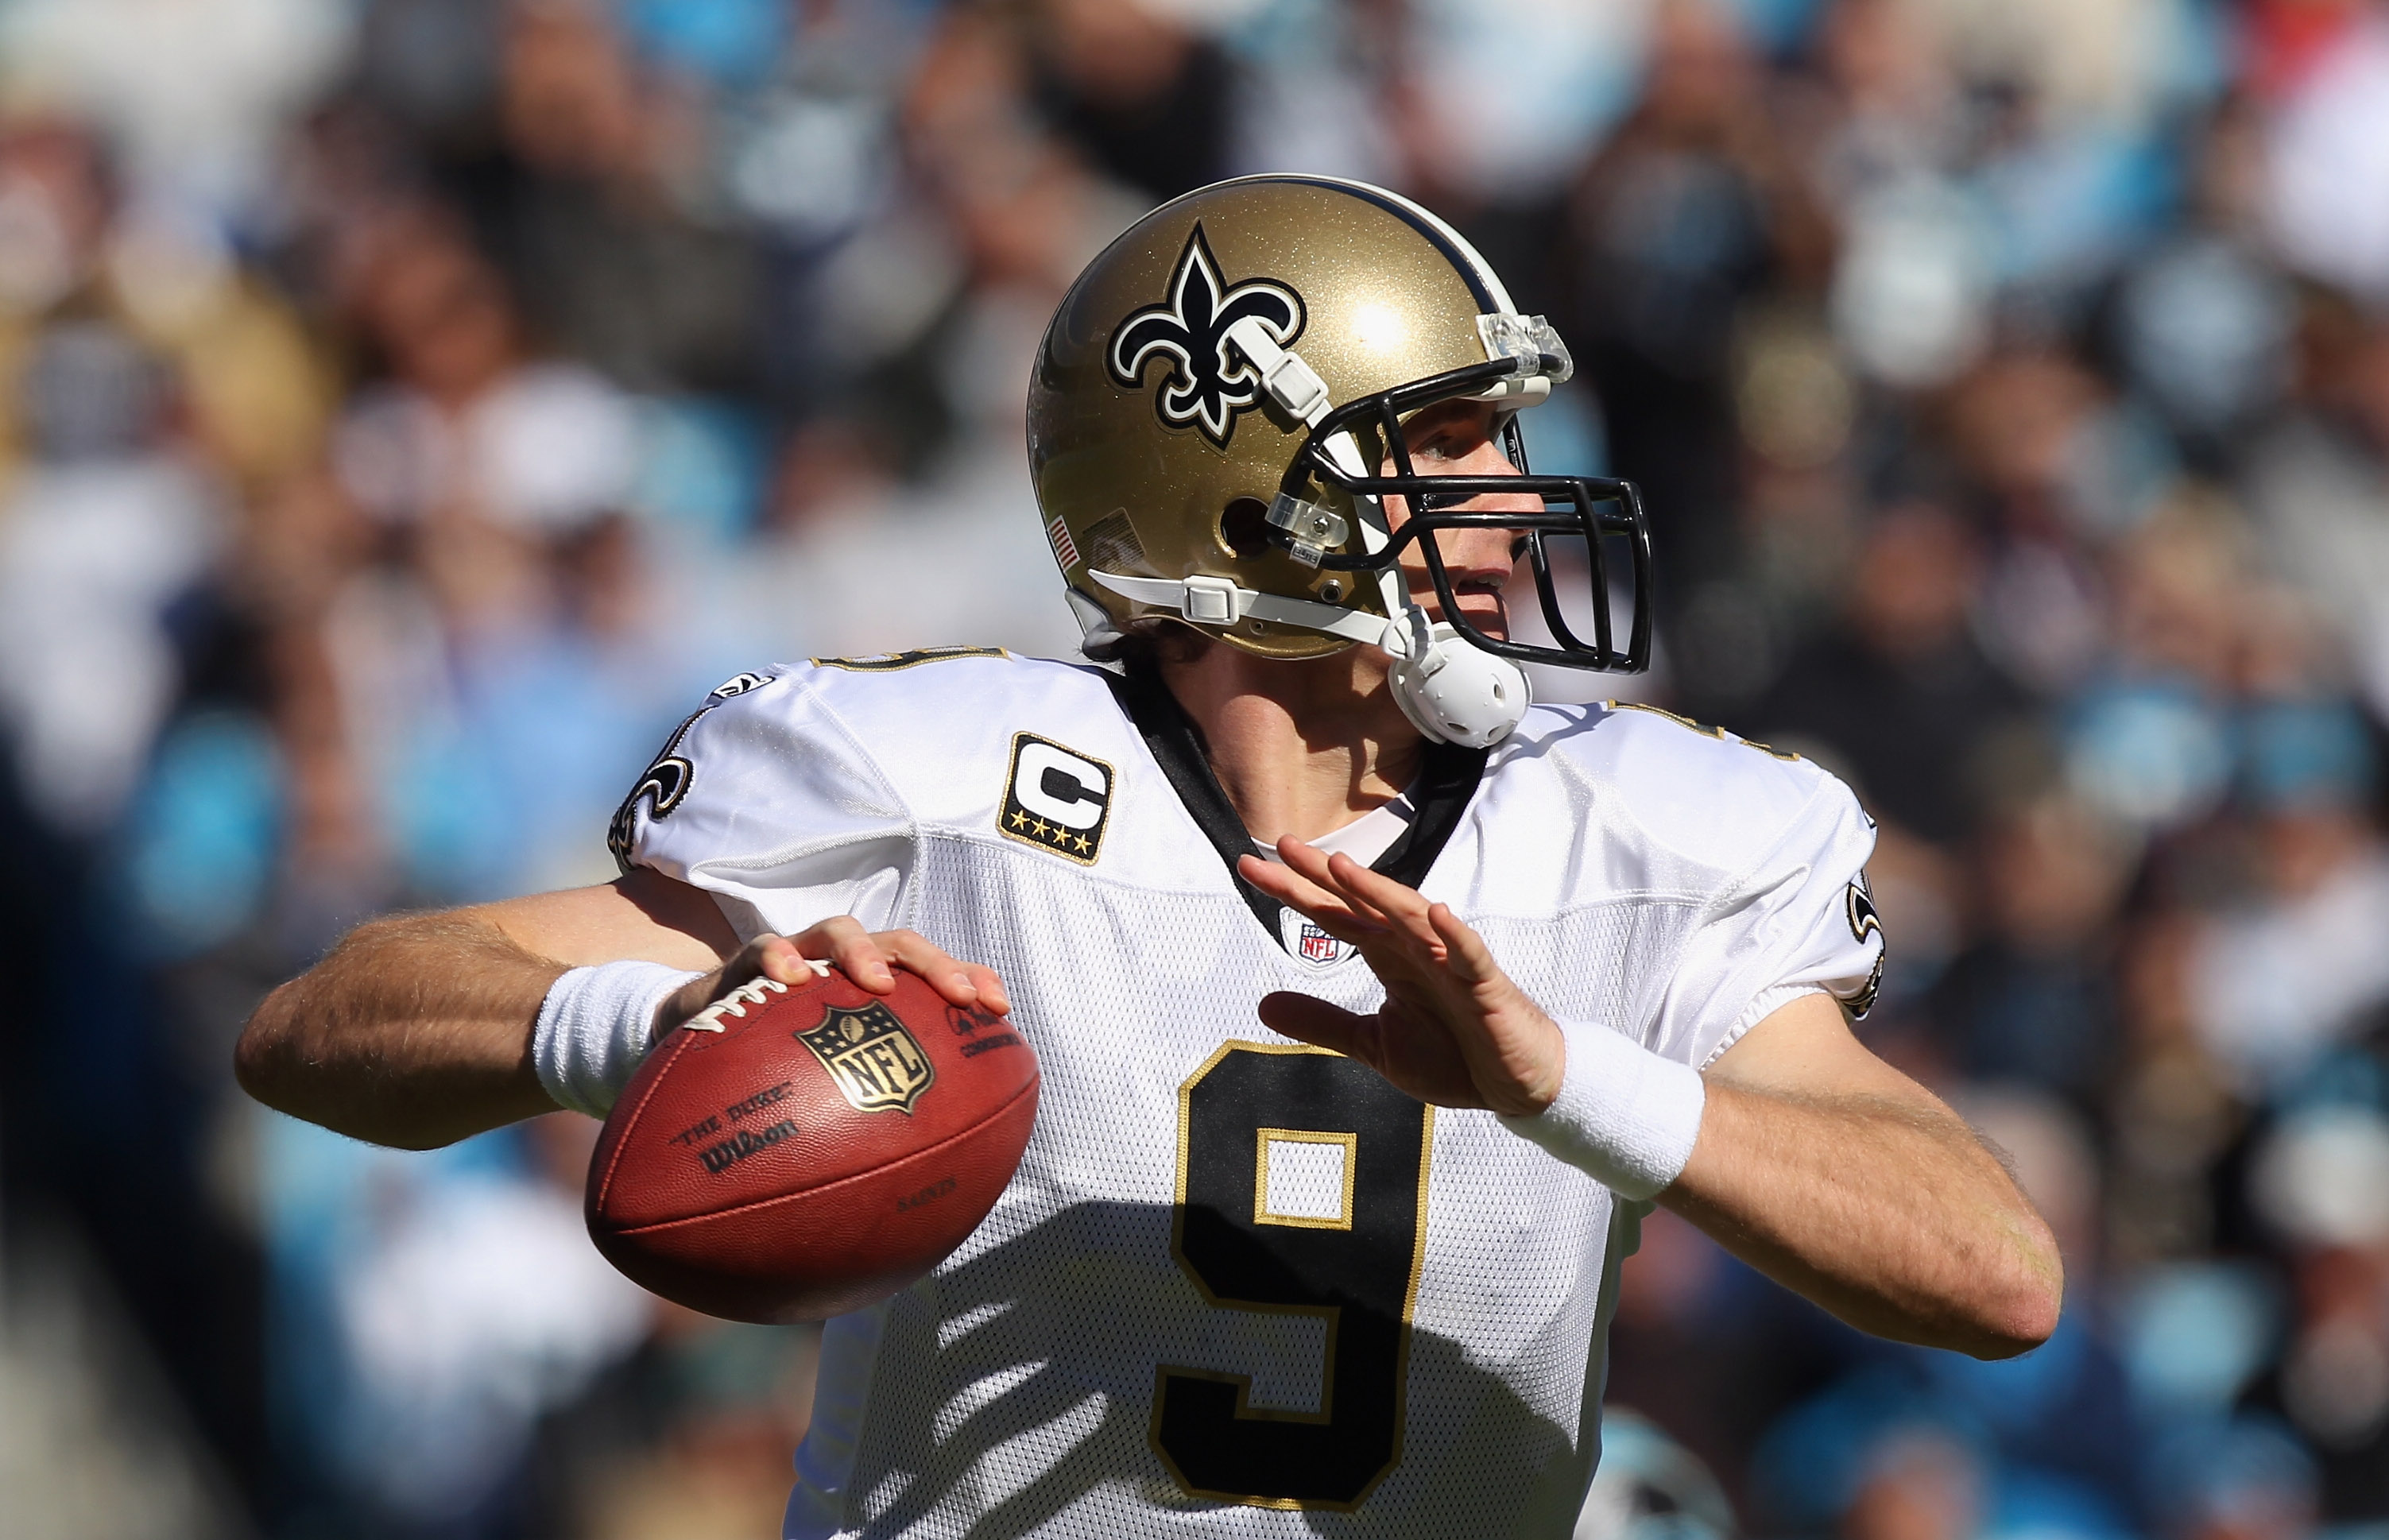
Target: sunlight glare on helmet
point(1379, 327)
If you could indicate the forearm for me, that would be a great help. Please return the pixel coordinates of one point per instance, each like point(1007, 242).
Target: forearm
point(415, 1031)
point(418, 1031)
point(1886, 1212)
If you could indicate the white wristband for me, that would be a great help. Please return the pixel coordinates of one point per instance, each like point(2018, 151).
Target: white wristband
point(593, 1029)
point(1624, 1114)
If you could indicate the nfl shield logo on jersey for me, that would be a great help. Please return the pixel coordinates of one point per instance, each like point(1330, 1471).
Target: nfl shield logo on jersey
point(1308, 944)
point(873, 1061)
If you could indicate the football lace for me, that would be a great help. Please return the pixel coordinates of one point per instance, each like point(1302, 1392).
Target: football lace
point(753, 992)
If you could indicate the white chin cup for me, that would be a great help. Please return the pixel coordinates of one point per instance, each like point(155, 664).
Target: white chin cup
point(1452, 692)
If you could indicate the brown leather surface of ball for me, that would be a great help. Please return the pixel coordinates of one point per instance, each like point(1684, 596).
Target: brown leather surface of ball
point(795, 1152)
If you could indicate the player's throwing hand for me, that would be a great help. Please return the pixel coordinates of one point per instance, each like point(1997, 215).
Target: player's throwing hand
point(869, 958)
point(1454, 1029)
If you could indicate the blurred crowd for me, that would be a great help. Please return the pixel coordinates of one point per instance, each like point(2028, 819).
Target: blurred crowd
point(409, 407)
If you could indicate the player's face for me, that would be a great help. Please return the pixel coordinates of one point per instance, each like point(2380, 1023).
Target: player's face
point(1462, 439)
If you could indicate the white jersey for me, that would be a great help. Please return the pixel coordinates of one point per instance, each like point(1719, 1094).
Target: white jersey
point(1240, 1286)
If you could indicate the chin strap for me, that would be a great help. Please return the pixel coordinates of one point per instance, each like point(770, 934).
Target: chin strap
point(1221, 601)
point(1451, 691)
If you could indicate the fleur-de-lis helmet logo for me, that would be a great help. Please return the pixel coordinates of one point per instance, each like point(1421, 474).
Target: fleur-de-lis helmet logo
point(1209, 382)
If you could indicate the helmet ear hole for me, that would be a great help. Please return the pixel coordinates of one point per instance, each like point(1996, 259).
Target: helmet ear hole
point(1243, 528)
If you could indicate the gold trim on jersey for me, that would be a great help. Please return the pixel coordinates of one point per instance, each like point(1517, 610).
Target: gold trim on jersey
point(1704, 730)
point(1264, 1214)
point(888, 663)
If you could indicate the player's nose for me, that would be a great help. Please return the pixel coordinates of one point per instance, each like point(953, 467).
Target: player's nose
point(1484, 555)
point(1488, 458)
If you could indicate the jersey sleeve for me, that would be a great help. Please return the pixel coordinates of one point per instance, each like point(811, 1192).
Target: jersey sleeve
point(766, 800)
point(1796, 920)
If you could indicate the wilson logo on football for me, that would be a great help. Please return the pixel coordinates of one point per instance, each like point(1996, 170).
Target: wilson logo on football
point(870, 1057)
point(720, 1157)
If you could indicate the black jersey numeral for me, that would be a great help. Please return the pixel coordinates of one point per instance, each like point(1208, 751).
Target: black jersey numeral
point(1352, 1261)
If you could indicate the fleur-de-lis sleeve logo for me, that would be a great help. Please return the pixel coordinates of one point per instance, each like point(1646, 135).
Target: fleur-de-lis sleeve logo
point(1209, 380)
point(667, 780)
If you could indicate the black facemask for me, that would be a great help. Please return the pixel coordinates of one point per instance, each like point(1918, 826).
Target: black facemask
point(1599, 511)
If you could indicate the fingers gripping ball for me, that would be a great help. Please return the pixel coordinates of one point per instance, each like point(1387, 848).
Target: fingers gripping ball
point(796, 1152)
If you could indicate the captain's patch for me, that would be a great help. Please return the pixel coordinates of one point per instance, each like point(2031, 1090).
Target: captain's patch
point(1055, 798)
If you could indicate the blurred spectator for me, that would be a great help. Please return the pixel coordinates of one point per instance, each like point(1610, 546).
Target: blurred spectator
point(1899, 689)
point(2329, 154)
point(2321, 1179)
point(2242, 1478)
point(1690, 210)
point(1649, 1488)
point(597, 202)
point(468, 428)
point(1146, 99)
point(2047, 460)
point(688, 1437)
point(107, 528)
point(1916, 1485)
point(2205, 321)
point(2317, 482)
point(1478, 129)
point(2032, 1000)
point(458, 1301)
point(192, 95)
point(2149, 740)
point(2282, 976)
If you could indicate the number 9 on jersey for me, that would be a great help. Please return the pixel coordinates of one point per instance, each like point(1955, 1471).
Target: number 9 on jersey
point(1301, 1188)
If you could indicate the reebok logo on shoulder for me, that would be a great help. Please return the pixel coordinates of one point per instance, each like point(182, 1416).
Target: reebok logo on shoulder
point(1055, 798)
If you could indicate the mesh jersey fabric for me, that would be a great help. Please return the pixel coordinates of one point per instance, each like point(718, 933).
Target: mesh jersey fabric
point(1671, 884)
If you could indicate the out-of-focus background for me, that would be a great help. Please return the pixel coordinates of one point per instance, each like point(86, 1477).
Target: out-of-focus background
point(409, 407)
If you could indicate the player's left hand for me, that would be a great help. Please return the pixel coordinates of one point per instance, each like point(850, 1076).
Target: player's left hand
point(1454, 1029)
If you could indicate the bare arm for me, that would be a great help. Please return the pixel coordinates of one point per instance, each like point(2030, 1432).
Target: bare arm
point(1840, 1178)
point(1817, 1163)
point(416, 1030)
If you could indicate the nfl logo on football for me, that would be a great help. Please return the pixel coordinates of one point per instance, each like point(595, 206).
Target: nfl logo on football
point(873, 1061)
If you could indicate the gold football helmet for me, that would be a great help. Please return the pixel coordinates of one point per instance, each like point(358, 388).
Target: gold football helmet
point(1212, 410)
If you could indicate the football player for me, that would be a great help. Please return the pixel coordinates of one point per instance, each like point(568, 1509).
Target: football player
point(1375, 1005)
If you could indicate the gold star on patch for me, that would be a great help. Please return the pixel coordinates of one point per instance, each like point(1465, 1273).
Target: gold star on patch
point(1081, 840)
point(1020, 820)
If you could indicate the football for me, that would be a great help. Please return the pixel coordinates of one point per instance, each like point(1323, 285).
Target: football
point(799, 1151)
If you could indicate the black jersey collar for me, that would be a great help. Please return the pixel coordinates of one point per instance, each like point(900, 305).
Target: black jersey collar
point(1446, 780)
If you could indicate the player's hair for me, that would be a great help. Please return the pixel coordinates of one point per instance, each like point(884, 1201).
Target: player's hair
point(1144, 644)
